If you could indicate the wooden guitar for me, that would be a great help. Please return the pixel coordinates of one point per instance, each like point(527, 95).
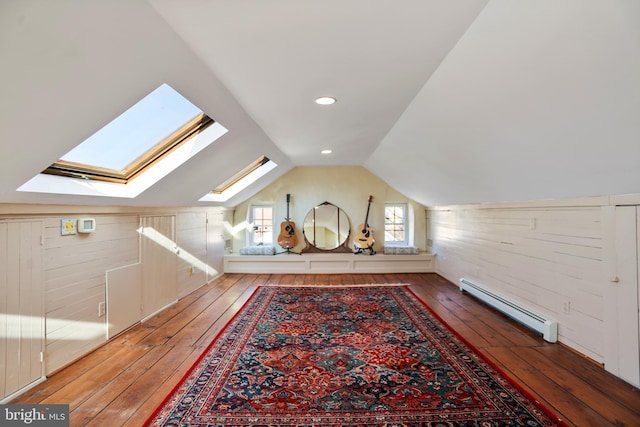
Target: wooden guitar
point(364, 239)
point(288, 237)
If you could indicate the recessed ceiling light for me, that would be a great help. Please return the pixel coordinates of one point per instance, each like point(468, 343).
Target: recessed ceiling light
point(326, 151)
point(325, 100)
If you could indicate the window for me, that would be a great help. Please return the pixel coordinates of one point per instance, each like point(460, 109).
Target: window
point(146, 132)
point(240, 180)
point(262, 225)
point(134, 151)
point(395, 224)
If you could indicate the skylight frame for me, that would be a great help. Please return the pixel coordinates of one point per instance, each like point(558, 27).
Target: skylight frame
point(137, 166)
point(240, 180)
point(136, 142)
point(240, 175)
point(53, 184)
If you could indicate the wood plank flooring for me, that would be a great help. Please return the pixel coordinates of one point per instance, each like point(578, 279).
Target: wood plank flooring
point(122, 382)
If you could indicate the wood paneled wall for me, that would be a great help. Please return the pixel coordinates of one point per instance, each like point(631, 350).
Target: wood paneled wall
point(548, 258)
point(75, 276)
point(74, 267)
point(21, 305)
point(192, 259)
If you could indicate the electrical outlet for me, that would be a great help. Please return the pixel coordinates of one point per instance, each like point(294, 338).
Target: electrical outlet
point(101, 308)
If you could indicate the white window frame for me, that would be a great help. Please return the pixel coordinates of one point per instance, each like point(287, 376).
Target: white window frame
point(405, 224)
point(254, 229)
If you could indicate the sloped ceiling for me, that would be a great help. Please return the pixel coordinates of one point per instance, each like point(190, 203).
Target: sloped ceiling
point(70, 67)
point(537, 100)
point(448, 101)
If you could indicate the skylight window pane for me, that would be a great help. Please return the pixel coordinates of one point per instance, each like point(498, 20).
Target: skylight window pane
point(134, 151)
point(241, 175)
point(135, 132)
point(240, 181)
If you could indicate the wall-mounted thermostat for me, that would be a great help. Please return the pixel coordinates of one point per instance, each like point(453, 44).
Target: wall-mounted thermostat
point(86, 225)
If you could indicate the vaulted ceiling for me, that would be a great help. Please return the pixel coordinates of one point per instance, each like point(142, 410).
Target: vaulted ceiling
point(448, 101)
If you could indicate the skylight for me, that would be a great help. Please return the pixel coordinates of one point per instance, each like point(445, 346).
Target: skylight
point(240, 180)
point(134, 151)
point(136, 138)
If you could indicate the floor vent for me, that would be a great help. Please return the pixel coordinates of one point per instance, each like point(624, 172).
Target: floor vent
point(547, 327)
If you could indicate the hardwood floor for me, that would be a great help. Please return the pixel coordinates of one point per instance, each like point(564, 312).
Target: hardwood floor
point(122, 382)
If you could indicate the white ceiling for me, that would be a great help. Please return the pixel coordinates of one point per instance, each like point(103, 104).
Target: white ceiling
point(277, 56)
point(448, 101)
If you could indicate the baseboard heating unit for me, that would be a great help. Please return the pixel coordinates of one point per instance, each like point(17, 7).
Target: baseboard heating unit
point(547, 327)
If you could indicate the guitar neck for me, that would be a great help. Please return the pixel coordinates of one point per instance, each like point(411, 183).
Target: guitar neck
point(288, 200)
point(366, 218)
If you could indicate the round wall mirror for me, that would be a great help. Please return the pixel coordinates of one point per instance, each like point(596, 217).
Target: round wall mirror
point(326, 229)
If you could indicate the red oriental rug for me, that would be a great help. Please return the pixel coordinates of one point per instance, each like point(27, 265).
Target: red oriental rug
point(355, 356)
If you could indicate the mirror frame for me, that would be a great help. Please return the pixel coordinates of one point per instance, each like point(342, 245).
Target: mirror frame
point(342, 248)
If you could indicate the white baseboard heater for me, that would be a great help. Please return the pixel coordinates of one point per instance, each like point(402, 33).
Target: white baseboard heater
point(547, 327)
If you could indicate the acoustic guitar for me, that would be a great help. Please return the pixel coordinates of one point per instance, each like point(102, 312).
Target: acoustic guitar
point(288, 237)
point(364, 239)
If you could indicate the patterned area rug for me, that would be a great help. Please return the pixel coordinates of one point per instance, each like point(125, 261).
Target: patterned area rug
point(356, 356)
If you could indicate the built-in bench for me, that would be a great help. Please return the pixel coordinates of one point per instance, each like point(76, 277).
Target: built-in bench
point(329, 263)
